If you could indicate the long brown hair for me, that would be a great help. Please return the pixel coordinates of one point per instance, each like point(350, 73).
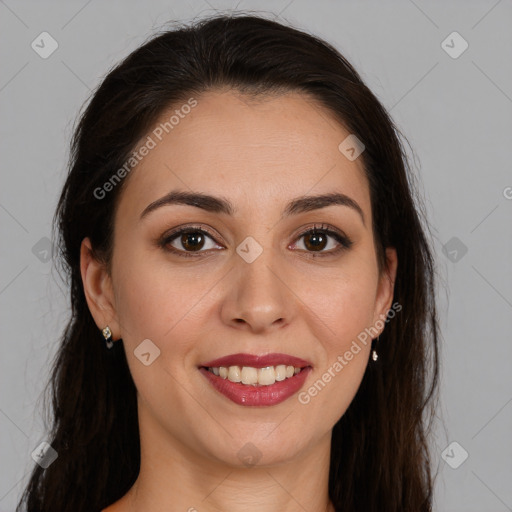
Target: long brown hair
point(380, 456)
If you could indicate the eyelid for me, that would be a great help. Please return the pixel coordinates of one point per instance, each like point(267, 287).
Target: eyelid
point(188, 228)
point(323, 228)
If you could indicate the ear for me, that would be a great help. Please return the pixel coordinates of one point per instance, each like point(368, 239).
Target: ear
point(98, 289)
point(386, 286)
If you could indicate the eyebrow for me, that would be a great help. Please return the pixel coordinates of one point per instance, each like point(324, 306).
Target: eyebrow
point(224, 206)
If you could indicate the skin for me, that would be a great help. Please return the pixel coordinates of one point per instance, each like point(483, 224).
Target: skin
point(259, 155)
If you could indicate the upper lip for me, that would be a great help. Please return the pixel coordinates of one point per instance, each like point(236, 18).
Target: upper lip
point(256, 361)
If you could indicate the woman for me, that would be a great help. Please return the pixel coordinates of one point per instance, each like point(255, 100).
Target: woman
point(253, 321)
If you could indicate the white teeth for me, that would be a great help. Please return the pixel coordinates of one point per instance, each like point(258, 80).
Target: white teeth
point(234, 374)
point(256, 376)
point(266, 376)
point(249, 375)
point(280, 372)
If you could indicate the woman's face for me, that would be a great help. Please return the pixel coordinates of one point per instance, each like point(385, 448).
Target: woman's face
point(252, 283)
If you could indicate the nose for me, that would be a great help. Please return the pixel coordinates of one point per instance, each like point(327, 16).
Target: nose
point(259, 298)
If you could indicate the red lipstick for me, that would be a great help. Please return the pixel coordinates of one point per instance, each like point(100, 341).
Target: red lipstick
point(257, 361)
point(258, 395)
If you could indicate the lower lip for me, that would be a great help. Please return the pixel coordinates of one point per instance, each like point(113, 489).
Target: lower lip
point(243, 394)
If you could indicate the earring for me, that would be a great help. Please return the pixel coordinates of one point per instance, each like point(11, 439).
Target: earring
point(375, 356)
point(107, 334)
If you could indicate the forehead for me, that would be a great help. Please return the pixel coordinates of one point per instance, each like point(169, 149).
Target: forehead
point(259, 152)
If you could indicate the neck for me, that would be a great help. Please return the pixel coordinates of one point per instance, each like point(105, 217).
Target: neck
point(176, 477)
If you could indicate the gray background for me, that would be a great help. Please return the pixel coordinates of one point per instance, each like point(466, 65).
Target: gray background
point(456, 113)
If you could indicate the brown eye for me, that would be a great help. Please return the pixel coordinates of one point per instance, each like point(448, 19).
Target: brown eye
point(317, 242)
point(192, 241)
point(187, 241)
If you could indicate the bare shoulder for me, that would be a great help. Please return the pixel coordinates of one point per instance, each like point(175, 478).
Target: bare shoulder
point(115, 507)
point(121, 505)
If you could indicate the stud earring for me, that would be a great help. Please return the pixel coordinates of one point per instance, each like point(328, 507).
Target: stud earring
point(375, 356)
point(107, 334)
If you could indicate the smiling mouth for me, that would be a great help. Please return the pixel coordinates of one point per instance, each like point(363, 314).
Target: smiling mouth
point(257, 377)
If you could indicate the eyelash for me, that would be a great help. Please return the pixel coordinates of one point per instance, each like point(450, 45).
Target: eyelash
point(343, 240)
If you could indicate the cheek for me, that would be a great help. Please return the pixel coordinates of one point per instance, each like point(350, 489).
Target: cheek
point(157, 303)
point(343, 310)
point(162, 302)
point(346, 345)
point(343, 306)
